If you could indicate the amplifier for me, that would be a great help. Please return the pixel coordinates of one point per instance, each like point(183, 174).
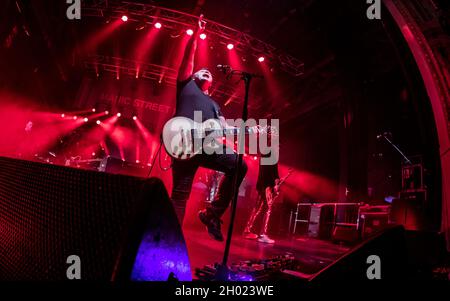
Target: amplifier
point(373, 219)
point(321, 221)
point(418, 194)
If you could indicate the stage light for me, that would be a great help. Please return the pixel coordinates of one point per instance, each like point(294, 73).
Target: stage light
point(98, 122)
point(119, 114)
point(149, 164)
point(189, 32)
point(255, 158)
point(158, 25)
point(124, 18)
point(203, 36)
point(93, 110)
point(93, 154)
point(63, 115)
point(86, 119)
point(261, 59)
point(230, 46)
point(75, 117)
point(137, 161)
point(106, 112)
point(135, 118)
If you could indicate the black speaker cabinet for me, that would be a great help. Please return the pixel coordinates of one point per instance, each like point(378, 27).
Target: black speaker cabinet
point(389, 246)
point(120, 227)
point(410, 212)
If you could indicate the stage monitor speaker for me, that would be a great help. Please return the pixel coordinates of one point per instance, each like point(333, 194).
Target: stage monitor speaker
point(118, 227)
point(118, 166)
point(390, 247)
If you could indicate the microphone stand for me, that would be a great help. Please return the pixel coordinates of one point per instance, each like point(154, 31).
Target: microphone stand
point(397, 149)
point(223, 272)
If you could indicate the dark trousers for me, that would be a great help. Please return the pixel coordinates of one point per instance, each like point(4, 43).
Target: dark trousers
point(183, 173)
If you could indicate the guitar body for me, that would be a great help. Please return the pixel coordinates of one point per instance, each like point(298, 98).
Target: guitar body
point(184, 138)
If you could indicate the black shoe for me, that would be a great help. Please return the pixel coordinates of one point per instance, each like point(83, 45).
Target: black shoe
point(213, 224)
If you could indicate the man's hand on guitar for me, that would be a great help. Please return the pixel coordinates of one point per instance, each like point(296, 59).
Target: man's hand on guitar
point(276, 188)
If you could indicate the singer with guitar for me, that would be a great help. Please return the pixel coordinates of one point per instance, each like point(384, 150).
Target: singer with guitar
point(193, 95)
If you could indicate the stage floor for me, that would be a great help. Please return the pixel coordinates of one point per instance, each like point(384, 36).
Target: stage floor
point(313, 254)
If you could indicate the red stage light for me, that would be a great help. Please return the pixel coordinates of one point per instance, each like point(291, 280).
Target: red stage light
point(93, 110)
point(98, 122)
point(124, 18)
point(261, 59)
point(75, 117)
point(158, 25)
point(137, 161)
point(118, 114)
point(86, 119)
point(230, 46)
point(255, 158)
point(93, 154)
point(106, 112)
point(189, 32)
point(203, 36)
point(134, 118)
point(63, 115)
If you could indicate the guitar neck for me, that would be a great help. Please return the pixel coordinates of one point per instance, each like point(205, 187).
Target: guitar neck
point(284, 179)
point(232, 131)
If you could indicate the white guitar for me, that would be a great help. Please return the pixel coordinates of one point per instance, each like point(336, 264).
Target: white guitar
point(184, 138)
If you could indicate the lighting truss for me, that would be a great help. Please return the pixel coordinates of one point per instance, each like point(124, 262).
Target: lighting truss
point(100, 64)
point(243, 42)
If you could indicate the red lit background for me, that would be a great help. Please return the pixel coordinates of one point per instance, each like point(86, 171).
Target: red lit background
point(352, 88)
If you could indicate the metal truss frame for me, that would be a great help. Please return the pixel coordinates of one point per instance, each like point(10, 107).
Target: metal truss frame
point(148, 13)
point(99, 64)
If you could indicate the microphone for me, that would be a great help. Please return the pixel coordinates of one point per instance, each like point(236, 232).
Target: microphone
point(384, 135)
point(224, 68)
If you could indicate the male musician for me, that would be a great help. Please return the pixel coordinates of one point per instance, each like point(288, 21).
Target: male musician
point(267, 187)
point(193, 95)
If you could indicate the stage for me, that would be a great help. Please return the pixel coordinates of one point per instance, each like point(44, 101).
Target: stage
point(313, 254)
